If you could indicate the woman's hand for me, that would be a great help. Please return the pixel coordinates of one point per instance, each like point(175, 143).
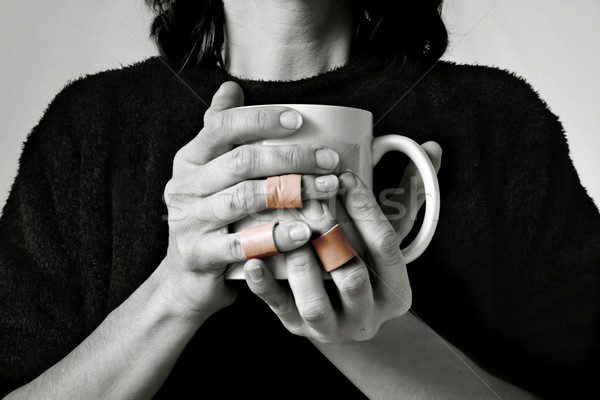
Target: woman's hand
point(368, 293)
point(215, 184)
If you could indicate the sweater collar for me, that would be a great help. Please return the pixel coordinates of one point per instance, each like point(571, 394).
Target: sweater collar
point(367, 70)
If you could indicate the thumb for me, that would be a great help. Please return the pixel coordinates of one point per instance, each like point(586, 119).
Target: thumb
point(434, 151)
point(228, 95)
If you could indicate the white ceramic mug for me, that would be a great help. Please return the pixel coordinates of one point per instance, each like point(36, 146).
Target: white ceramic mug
point(348, 131)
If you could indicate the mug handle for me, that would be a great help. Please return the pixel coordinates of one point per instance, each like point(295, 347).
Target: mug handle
point(382, 145)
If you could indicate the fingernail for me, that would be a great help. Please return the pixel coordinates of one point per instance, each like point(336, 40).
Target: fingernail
point(300, 233)
point(326, 183)
point(255, 272)
point(327, 159)
point(348, 179)
point(290, 120)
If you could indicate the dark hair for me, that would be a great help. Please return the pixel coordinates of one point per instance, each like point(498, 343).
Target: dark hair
point(190, 32)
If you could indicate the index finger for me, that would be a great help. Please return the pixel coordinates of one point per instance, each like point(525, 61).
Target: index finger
point(226, 124)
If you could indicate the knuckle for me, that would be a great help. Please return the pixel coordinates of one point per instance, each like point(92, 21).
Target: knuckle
point(170, 200)
point(298, 263)
point(174, 188)
point(259, 119)
point(362, 206)
point(279, 304)
point(313, 313)
point(295, 328)
point(242, 159)
point(226, 122)
point(355, 283)
point(292, 156)
point(234, 246)
point(177, 188)
point(239, 199)
point(389, 245)
point(169, 190)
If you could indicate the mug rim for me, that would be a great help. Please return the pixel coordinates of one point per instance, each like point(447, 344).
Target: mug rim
point(309, 105)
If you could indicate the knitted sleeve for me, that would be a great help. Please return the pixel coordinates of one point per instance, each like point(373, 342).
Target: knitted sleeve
point(548, 257)
point(44, 286)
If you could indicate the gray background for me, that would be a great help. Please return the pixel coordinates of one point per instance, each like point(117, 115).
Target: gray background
point(552, 43)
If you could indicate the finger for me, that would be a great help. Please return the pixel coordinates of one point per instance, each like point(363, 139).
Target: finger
point(229, 95)
point(262, 283)
point(318, 215)
point(210, 142)
point(290, 235)
point(258, 161)
point(237, 126)
point(434, 151)
point(201, 149)
point(227, 248)
point(238, 201)
point(225, 126)
point(379, 237)
point(319, 187)
point(402, 207)
point(250, 197)
point(305, 277)
point(355, 290)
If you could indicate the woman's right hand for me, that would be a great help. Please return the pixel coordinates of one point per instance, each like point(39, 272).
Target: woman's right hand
point(215, 184)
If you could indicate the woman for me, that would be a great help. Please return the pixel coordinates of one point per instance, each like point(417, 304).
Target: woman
point(106, 297)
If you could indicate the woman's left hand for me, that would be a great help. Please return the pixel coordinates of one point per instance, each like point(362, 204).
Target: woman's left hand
point(369, 294)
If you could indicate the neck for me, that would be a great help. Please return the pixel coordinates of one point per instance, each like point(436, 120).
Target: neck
point(286, 39)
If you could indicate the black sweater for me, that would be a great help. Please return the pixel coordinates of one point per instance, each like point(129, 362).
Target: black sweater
point(511, 277)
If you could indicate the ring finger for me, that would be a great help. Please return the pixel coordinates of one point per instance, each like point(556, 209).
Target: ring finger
point(355, 290)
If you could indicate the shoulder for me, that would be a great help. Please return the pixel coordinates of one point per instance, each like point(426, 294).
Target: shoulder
point(479, 76)
point(93, 100)
point(130, 95)
point(113, 85)
point(86, 109)
point(496, 97)
point(489, 88)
